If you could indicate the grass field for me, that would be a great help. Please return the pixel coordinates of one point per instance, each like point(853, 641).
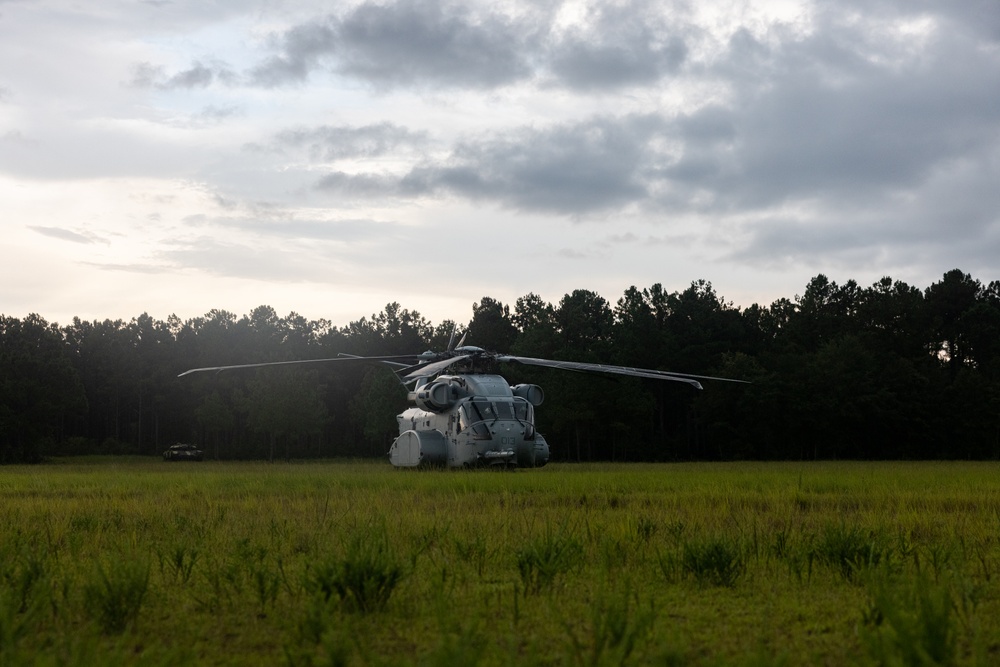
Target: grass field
point(140, 562)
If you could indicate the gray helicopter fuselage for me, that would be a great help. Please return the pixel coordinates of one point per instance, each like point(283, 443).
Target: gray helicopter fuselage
point(470, 420)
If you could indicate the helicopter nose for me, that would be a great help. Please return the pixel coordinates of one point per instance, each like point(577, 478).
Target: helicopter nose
point(508, 431)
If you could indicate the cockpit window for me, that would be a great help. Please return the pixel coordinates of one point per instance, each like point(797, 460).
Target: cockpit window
point(504, 409)
point(476, 414)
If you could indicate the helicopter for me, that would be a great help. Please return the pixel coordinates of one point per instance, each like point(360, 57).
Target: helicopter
point(464, 414)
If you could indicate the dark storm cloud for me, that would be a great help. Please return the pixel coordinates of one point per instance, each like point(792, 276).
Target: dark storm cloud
point(412, 41)
point(339, 142)
point(566, 169)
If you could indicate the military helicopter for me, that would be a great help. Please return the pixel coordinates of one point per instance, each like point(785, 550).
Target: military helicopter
point(470, 416)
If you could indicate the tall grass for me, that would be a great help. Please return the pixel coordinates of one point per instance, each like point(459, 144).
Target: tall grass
point(126, 561)
point(115, 592)
point(912, 622)
point(618, 625)
point(848, 549)
point(719, 561)
point(543, 559)
point(363, 579)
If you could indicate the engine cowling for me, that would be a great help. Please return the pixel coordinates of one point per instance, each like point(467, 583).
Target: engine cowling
point(532, 393)
point(435, 397)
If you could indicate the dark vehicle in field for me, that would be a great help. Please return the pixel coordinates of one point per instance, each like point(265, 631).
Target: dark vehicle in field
point(183, 452)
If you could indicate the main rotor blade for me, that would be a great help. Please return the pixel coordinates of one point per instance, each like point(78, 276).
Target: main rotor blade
point(389, 359)
point(433, 368)
point(619, 370)
point(387, 362)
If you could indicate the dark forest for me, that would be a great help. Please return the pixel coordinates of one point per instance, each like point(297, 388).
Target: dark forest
point(888, 371)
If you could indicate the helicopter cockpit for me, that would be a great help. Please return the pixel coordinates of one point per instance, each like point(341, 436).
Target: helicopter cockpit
point(479, 412)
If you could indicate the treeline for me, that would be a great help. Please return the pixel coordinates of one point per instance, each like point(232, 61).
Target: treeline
point(843, 371)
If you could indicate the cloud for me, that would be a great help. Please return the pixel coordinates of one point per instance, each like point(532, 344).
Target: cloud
point(584, 65)
point(842, 111)
point(264, 224)
point(17, 139)
point(287, 227)
point(618, 46)
point(234, 259)
point(414, 41)
point(573, 254)
point(567, 169)
point(303, 48)
point(68, 235)
point(199, 75)
point(951, 220)
point(843, 118)
point(411, 42)
point(144, 269)
point(863, 134)
point(632, 239)
point(977, 18)
point(338, 142)
point(213, 114)
point(452, 45)
point(360, 185)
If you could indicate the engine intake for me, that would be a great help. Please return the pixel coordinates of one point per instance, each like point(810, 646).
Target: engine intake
point(532, 393)
point(435, 397)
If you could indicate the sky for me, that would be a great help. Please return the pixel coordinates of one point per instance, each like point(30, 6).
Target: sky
point(328, 158)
